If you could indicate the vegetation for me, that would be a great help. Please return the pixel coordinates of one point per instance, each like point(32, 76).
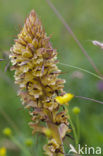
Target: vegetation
point(85, 19)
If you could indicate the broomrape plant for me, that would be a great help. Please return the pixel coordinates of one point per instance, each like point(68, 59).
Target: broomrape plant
point(34, 61)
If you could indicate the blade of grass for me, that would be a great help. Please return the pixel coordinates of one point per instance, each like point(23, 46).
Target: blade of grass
point(7, 79)
point(60, 17)
point(10, 121)
point(84, 70)
point(21, 146)
point(7, 66)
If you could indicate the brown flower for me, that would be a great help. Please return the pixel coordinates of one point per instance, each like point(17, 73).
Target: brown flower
point(34, 61)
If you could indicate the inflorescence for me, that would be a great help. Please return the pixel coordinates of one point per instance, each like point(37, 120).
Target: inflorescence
point(34, 61)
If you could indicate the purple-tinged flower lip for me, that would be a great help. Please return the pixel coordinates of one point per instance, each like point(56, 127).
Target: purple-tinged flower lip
point(100, 85)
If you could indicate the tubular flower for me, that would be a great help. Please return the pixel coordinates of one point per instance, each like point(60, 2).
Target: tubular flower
point(34, 61)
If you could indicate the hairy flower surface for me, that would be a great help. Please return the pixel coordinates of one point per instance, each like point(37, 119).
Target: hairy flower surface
point(34, 61)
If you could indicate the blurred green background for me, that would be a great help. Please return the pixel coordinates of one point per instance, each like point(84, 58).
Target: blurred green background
point(86, 20)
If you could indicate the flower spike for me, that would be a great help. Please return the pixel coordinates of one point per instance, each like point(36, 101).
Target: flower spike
point(34, 61)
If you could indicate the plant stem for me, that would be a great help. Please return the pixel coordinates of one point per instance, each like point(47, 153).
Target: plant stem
point(78, 127)
point(89, 99)
point(60, 17)
point(74, 132)
point(84, 70)
point(56, 135)
point(23, 148)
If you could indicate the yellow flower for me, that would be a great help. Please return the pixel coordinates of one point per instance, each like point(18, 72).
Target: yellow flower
point(76, 110)
point(7, 132)
point(2, 151)
point(65, 98)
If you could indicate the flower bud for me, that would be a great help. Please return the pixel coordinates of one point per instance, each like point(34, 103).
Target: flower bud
point(7, 132)
point(76, 110)
point(2, 151)
point(28, 142)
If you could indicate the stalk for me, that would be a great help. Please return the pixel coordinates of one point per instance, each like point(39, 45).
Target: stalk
point(56, 134)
